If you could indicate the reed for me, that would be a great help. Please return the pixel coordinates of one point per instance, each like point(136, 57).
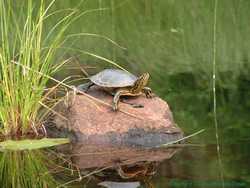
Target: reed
point(25, 44)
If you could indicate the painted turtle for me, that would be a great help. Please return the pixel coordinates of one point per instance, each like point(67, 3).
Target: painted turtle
point(119, 83)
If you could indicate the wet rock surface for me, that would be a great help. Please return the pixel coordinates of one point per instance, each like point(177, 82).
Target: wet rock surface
point(150, 125)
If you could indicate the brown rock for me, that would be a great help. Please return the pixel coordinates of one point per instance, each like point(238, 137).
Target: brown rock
point(93, 122)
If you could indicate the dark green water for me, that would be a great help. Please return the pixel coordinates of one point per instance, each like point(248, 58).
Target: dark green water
point(173, 41)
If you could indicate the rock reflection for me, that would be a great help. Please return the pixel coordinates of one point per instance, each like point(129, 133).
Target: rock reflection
point(116, 166)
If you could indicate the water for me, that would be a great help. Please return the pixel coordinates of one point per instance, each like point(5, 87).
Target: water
point(172, 40)
point(189, 166)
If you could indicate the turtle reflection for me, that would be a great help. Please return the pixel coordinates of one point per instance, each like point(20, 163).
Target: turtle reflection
point(128, 176)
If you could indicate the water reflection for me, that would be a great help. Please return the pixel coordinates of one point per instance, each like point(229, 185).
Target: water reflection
point(19, 169)
point(110, 184)
point(90, 166)
point(114, 166)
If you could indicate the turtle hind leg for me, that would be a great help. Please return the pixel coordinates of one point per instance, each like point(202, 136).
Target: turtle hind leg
point(116, 98)
point(148, 92)
point(134, 105)
point(85, 87)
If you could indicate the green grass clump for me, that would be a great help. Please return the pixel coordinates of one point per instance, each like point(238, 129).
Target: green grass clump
point(26, 57)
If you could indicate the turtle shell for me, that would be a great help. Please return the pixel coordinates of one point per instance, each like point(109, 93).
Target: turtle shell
point(113, 78)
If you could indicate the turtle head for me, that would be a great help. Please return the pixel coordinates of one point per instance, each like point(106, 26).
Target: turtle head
point(140, 83)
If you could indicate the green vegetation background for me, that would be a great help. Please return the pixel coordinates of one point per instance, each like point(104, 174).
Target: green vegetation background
point(172, 40)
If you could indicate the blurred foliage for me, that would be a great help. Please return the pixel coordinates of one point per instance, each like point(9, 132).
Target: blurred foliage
point(172, 40)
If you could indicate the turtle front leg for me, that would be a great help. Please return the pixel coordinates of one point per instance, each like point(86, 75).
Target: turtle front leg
point(116, 98)
point(148, 92)
point(85, 87)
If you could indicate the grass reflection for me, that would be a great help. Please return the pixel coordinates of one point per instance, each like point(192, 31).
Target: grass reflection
point(21, 169)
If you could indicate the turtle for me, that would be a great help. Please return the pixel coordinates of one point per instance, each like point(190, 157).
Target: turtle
point(119, 83)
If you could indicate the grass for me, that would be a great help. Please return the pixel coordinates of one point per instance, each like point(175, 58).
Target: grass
point(25, 44)
point(26, 50)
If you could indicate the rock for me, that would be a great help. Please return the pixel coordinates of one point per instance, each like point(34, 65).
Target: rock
point(92, 122)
